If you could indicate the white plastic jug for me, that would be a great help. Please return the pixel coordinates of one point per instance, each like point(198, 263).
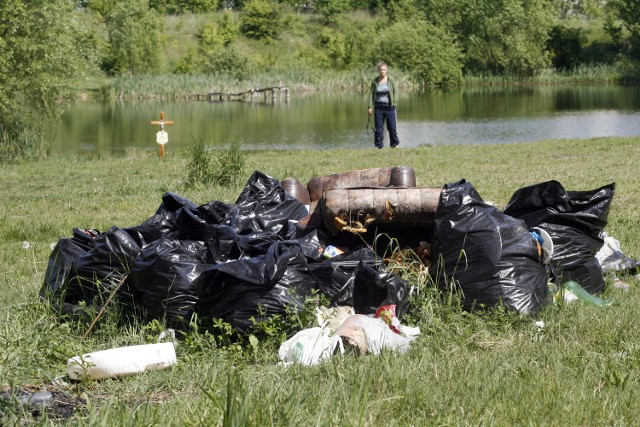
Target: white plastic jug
point(122, 361)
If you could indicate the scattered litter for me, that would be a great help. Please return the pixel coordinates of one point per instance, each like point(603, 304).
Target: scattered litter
point(331, 251)
point(38, 400)
point(367, 334)
point(611, 258)
point(572, 291)
point(122, 361)
point(281, 242)
point(358, 332)
point(310, 347)
point(619, 284)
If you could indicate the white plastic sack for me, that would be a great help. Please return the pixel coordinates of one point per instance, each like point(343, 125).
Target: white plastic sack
point(310, 347)
point(332, 317)
point(611, 258)
point(372, 335)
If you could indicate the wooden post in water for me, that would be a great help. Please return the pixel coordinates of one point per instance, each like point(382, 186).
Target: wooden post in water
point(162, 137)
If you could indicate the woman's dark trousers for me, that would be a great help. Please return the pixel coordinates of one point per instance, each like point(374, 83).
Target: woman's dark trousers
point(385, 113)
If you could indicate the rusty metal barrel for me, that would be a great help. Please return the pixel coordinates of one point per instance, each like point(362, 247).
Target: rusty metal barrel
point(396, 176)
point(357, 208)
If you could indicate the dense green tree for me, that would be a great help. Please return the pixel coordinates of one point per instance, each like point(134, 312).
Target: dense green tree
point(580, 8)
point(44, 50)
point(629, 14)
point(505, 36)
point(261, 19)
point(565, 46)
point(331, 9)
point(134, 38)
point(428, 52)
point(184, 6)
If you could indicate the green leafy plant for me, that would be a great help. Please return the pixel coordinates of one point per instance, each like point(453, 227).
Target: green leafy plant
point(261, 19)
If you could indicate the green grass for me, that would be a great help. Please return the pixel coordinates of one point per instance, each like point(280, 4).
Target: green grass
point(465, 369)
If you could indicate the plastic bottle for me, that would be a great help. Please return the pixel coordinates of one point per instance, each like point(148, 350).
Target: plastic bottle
point(122, 361)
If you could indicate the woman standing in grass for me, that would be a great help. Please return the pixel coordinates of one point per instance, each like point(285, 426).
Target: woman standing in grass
point(383, 96)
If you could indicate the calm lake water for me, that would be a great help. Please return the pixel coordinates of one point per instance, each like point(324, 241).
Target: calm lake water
point(321, 121)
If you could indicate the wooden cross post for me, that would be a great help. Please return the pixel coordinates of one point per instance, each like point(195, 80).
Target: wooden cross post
point(162, 137)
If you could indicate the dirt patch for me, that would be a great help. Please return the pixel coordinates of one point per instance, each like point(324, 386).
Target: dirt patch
point(37, 401)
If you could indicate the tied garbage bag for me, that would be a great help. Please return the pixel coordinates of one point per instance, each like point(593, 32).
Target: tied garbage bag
point(163, 222)
point(254, 289)
point(66, 251)
point(164, 279)
point(574, 220)
point(491, 257)
point(94, 268)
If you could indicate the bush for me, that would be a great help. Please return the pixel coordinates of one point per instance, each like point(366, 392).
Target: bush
point(134, 37)
point(260, 19)
point(199, 168)
point(222, 170)
point(21, 142)
point(184, 6)
point(565, 46)
point(228, 166)
point(227, 62)
point(429, 53)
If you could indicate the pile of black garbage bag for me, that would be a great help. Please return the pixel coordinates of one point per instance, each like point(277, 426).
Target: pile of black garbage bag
point(494, 258)
point(247, 261)
point(241, 262)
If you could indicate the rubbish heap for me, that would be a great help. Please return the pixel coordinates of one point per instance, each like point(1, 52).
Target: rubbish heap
point(281, 241)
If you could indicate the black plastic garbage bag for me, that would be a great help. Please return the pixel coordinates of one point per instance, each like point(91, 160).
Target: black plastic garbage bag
point(163, 222)
point(373, 288)
point(88, 267)
point(265, 213)
point(58, 273)
point(197, 225)
point(491, 257)
point(336, 276)
point(164, 279)
point(574, 220)
point(98, 272)
point(358, 279)
point(257, 288)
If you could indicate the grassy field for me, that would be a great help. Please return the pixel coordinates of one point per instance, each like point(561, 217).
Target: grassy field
point(583, 368)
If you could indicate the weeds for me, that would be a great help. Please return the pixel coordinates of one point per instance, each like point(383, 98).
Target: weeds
point(221, 168)
point(25, 142)
point(199, 168)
